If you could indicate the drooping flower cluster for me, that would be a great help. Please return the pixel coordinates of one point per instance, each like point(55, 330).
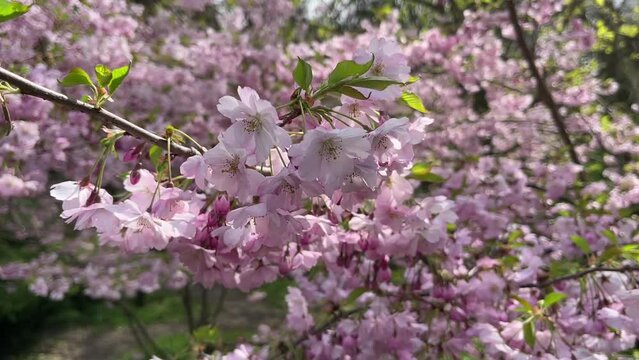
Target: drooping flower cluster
point(459, 259)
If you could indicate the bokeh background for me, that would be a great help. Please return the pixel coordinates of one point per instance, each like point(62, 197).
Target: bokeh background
point(186, 55)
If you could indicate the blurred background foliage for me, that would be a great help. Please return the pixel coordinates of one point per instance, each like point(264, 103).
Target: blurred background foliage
point(26, 320)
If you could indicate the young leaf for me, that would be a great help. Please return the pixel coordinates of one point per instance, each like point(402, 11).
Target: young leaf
point(348, 68)
point(413, 101)
point(118, 76)
point(581, 243)
point(155, 154)
point(76, 77)
point(412, 79)
point(303, 74)
point(422, 172)
point(529, 332)
point(609, 253)
point(352, 92)
point(206, 334)
point(104, 75)
point(376, 83)
point(553, 298)
point(11, 10)
point(611, 236)
point(526, 305)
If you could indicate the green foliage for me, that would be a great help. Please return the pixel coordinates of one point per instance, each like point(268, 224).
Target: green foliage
point(118, 76)
point(529, 332)
point(375, 83)
point(552, 299)
point(75, 77)
point(206, 334)
point(581, 243)
point(104, 75)
point(303, 74)
point(348, 69)
point(155, 154)
point(422, 172)
point(352, 92)
point(12, 9)
point(413, 101)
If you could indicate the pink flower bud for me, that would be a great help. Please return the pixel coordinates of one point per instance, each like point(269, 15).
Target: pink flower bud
point(133, 153)
point(284, 267)
point(135, 175)
point(222, 206)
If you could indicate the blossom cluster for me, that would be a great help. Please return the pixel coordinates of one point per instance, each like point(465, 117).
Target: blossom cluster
point(427, 237)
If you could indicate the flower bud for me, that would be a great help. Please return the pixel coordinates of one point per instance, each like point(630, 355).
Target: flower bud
point(135, 175)
point(284, 267)
point(222, 206)
point(133, 153)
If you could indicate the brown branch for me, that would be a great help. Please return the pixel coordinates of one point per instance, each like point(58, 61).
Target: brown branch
point(544, 93)
point(579, 275)
point(106, 117)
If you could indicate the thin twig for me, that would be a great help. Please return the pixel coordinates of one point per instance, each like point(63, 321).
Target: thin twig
point(579, 275)
point(106, 117)
point(188, 307)
point(204, 307)
point(218, 306)
point(142, 330)
point(544, 93)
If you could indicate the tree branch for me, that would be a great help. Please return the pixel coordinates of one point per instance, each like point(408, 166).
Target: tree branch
point(544, 93)
point(580, 274)
point(106, 117)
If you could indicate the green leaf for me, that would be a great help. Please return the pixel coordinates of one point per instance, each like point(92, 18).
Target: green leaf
point(515, 235)
point(413, 101)
point(562, 267)
point(422, 172)
point(352, 92)
point(609, 253)
point(76, 77)
point(412, 79)
point(104, 75)
point(524, 303)
point(509, 261)
point(155, 154)
point(553, 298)
point(611, 236)
point(420, 169)
point(581, 243)
point(529, 333)
point(348, 68)
point(303, 74)
point(206, 334)
point(376, 83)
point(5, 129)
point(118, 76)
point(12, 9)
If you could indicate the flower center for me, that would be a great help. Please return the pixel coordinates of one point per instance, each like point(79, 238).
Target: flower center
point(253, 124)
point(142, 224)
point(287, 188)
point(382, 143)
point(232, 165)
point(330, 149)
point(377, 69)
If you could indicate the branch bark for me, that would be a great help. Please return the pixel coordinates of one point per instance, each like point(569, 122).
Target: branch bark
point(580, 274)
point(28, 87)
point(544, 93)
